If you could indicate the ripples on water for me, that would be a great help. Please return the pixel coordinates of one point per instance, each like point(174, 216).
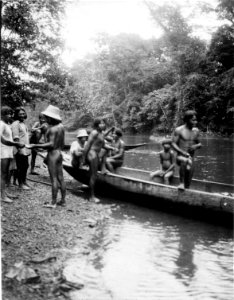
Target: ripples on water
point(145, 254)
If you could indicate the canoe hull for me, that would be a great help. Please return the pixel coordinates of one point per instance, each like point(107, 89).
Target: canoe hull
point(153, 194)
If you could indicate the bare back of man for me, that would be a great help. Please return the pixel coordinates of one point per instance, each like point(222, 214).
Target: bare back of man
point(55, 135)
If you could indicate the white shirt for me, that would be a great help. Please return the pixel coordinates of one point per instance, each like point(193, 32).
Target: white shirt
point(5, 131)
point(20, 131)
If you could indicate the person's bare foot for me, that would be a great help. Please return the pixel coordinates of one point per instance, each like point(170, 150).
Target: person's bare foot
point(61, 203)
point(24, 187)
point(7, 200)
point(94, 199)
point(181, 187)
point(34, 173)
point(11, 196)
point(47, 205)
point(104, 171)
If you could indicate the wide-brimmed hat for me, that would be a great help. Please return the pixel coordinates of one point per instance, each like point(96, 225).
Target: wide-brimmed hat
point(52, 112)
point(82, 133)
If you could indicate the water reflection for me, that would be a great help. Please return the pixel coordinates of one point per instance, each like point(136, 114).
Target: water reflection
point(143, 254)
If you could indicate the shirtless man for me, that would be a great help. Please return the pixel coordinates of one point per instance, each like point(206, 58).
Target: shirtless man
point(92, 152)
point(6, 150)
point(186, 142)
point(167, 162)
point(38, 131)
point(117, 157)
point(54, 145)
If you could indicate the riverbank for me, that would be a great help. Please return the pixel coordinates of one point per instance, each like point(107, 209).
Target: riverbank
point(44, 239)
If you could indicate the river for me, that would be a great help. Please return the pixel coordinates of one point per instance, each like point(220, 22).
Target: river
point(146, 254)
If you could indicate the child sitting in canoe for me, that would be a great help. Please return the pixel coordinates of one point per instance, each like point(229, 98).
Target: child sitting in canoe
point(167, 162)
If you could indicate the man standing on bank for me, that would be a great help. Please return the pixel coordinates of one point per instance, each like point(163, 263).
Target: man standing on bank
point(6, 149)
point(185, 142)
point(55, 136)
point(91, 154)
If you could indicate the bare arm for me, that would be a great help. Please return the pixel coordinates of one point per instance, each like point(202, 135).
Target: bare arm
point(35, 127)
point(11, 143)
point(172, 166)
point(108, 131)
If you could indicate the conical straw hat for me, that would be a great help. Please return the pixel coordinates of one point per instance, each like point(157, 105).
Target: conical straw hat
point(52, 112)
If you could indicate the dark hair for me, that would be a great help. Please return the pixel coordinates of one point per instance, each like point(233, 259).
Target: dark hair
point(96, 123)
point(6, 110)
point(17, 110)
point(118, 132)
point(166, 141)
point(188, 115)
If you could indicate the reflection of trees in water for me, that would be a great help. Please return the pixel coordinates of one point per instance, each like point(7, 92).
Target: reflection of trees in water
point(105, 235)
point(185, 266)
point(191, 236)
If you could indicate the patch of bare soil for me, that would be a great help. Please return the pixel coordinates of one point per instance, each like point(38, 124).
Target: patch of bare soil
point(42, 239)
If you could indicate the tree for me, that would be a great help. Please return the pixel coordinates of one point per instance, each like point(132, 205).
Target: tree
point(30, 45)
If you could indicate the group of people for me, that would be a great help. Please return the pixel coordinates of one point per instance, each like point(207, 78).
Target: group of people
point(101, 149)
point(185, 142)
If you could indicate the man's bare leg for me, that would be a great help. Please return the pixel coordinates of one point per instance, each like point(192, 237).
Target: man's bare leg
point(93, 165)
point(182, 176)
point(168, 177)
point(53, 171)
point(109, 165)
point(33, 162)
point(5, 163)
point(189, 176)
point(103, 159)
point(155, 174)
point(62, 184)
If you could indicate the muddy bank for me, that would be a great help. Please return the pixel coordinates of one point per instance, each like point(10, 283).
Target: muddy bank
point(43, 239)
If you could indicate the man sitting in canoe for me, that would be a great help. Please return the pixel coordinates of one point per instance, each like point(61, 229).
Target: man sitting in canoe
point(167, 162)
point(92, 151)
point(117, 156)
point(77, 148)
point(186, 142)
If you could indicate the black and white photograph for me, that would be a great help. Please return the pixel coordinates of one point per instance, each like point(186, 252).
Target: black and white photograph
point(117, 139)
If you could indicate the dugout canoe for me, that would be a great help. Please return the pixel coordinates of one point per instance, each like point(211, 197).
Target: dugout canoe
point(127, 147)
point(203, 198)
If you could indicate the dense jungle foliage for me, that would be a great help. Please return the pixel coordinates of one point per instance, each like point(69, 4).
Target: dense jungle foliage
point(141, 85)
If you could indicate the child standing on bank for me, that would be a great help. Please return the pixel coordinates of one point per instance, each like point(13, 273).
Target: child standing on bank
point(167, 162)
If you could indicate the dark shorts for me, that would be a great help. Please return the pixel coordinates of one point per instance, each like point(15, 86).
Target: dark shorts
point(116, 163)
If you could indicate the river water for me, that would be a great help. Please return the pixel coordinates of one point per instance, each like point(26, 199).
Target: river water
point(146, 254)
